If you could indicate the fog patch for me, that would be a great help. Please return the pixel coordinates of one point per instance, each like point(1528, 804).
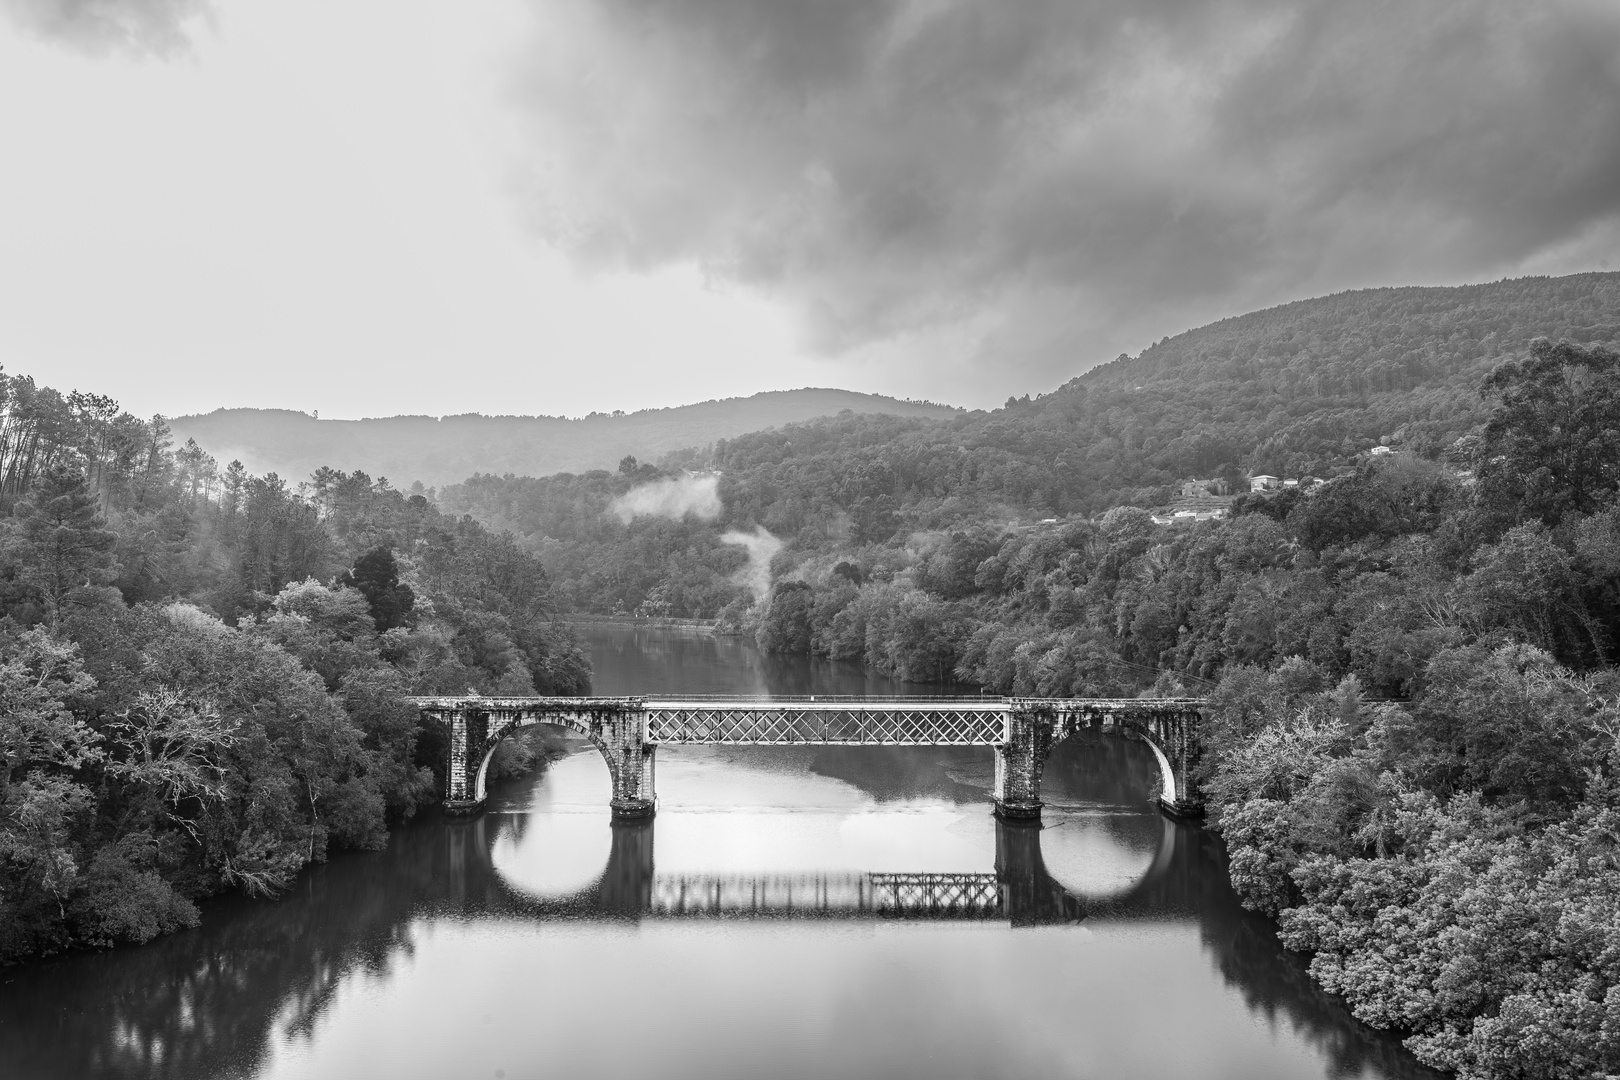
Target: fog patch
point(762, 548)
point(675, 497)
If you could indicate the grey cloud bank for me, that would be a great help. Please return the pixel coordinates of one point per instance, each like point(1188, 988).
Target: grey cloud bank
point(1051, 181)
point(137, 26)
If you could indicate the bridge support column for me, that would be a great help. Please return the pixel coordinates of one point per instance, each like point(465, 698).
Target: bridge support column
point(630, 759)
point(468, 729)
point(1020, 759)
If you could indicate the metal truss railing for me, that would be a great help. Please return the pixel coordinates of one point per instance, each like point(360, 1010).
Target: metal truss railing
point(824, 723)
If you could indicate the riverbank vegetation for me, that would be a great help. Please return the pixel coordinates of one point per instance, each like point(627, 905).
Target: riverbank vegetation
point(202, 672)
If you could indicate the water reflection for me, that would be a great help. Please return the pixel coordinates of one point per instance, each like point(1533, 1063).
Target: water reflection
point(757, 831)
point(1114, 946)
point(218, 1000)
point(1018, 889)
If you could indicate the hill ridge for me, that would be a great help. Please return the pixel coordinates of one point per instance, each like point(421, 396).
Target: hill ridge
point(437, 450)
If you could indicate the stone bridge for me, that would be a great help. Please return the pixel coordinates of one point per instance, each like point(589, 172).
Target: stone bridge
point(629, 730)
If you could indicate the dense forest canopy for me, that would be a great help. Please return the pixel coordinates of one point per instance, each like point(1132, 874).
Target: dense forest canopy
point(203, 672)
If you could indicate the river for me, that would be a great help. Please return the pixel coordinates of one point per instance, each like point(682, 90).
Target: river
point(790, 912)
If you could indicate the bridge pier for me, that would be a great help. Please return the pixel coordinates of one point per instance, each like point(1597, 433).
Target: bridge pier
point(630, 759)
point(1020, 760)
point(468, 731)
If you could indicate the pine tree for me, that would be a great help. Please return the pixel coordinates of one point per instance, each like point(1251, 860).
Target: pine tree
point(376, 575)
point(64, 549)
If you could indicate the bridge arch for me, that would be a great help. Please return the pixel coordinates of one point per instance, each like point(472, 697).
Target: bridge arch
point(1170, 731)
point(615, 726)
point(1169, 790)
point(1035, 726)
point(500, 731)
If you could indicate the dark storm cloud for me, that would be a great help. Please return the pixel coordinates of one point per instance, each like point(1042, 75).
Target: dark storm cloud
point(1048, 171)
point(140, 26)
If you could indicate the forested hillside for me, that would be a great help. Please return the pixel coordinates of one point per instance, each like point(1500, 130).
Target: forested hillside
point(1303, 389)
point(441, 450)
point(202, 672)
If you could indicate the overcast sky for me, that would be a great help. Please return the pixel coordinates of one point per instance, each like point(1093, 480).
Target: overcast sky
point(371, 207)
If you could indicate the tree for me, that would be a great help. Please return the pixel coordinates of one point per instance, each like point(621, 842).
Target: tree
point(1552, 444)
point(376, 575)
point(38, 676)
point(65, 550)
point(786, 625)
point(1505, 721)
point(42, 747)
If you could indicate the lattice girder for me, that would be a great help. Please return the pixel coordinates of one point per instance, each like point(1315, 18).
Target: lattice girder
point(787, 723)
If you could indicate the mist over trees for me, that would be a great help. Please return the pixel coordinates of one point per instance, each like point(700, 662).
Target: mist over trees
point(203, 672)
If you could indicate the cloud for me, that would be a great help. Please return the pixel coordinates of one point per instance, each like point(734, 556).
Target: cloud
point(1047, 178)
point(672, 498)
point(156, 27)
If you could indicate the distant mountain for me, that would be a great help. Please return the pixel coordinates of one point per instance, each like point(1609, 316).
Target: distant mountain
point(440, 451)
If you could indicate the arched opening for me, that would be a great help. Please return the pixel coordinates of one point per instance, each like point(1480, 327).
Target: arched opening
point(552, 837)
point(1108, 764)
point(481, 787)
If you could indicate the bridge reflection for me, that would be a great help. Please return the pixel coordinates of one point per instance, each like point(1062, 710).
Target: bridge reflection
point(1019, 889)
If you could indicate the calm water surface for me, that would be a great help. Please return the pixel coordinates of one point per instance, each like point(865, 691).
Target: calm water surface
point(726, 937)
